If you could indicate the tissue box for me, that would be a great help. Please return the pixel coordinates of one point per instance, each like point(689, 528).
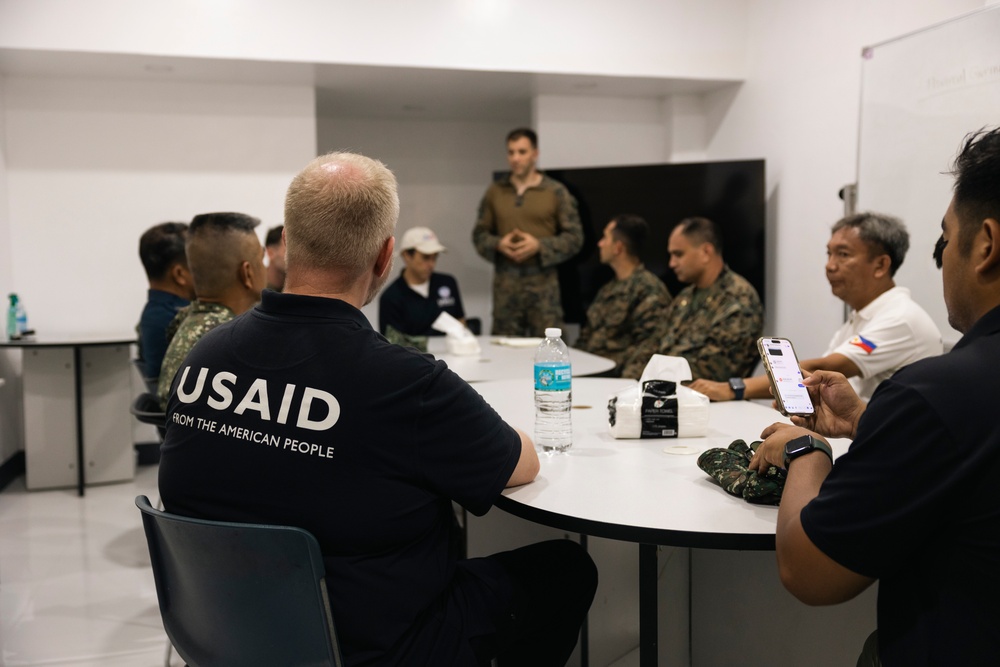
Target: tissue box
point(658, 409)
point(462, 345)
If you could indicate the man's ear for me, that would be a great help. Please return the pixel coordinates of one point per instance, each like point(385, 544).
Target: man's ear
point(246, 275)
point(181, 275)
point(384, 259)
point(986, 247)
point(882, 265)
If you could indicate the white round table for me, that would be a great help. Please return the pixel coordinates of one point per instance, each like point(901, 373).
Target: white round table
point(637, 490)
point(509, 359)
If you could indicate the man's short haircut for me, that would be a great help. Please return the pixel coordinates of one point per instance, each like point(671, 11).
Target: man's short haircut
point(339, 211)
point(883, 234)
point(161, 246)
point(525, 132)
point(977, 183)
point(218, 243)
point(702, 230)
point(273, 237)
point(631, 230)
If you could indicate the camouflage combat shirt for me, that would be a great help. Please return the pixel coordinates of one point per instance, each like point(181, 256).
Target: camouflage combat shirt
point(715, 329)
point(547, 211)
point(623, 314)
point(195, 321)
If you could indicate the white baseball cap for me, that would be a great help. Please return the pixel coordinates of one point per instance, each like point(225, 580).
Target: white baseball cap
point(422, 240)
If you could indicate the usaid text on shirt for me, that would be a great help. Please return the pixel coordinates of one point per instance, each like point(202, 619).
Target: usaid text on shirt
point(302, 402)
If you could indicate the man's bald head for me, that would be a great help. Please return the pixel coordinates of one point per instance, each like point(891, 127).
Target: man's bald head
point(339, 212)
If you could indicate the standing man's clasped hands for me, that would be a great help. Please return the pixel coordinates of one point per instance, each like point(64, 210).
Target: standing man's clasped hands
point(518, 246)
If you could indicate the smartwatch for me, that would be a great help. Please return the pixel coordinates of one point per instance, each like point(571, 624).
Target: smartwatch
point(803, 445)
point(738, 387)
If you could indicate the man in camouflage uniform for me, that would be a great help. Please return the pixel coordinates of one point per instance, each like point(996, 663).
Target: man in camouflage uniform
point(528, 224)
point(715, 321)
point(628, 309)
point(227, 262)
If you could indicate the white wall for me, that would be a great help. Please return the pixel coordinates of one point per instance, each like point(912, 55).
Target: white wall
point(10, 365)
point(799, 110)
point(92, 164)
point(583, 131)
point(686, 38)
point(443, 168)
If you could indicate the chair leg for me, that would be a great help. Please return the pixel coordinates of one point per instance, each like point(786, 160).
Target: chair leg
point(166, 657)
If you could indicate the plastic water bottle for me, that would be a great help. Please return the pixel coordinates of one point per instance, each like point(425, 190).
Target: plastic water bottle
point(17, 319)
point(553, 393)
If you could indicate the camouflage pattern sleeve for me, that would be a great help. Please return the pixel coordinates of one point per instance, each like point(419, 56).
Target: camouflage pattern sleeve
point(175, 323)
point(484, 233)
point(624, 312)
point(715, 330)
point(202, 318)
point(636, 358)
point(648, 315)
point(729, 348)
point(567, 242)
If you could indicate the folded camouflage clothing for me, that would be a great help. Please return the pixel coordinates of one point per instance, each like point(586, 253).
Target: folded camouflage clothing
point(729, 468)
point(394, 335)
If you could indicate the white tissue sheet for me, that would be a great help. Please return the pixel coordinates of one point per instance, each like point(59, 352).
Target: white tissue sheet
point(458, 339)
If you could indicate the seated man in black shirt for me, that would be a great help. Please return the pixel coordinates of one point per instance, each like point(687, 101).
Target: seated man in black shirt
point(299, 413)
point(913, 503)
point(411, 303)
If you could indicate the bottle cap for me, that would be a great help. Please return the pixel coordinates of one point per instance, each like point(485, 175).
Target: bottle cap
point(553, 332)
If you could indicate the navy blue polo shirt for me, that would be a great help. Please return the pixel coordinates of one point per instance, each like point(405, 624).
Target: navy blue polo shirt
point(299, 413)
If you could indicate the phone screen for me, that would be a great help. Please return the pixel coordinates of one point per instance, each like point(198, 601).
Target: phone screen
point(786, 376)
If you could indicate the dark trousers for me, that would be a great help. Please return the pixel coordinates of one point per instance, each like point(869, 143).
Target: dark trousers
point(553, 585)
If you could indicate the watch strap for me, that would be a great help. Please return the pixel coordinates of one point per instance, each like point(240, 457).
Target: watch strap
point(738, 387)
point(804, 445)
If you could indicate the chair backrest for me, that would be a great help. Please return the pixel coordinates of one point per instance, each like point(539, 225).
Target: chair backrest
point(146, 408)
point(150, 382)
point(240, 594)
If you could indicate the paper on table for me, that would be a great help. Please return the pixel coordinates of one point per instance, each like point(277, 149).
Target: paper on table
point(445, 323)
point(518, 342)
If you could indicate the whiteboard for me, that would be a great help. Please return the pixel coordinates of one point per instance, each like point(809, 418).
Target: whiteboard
point(920, 95)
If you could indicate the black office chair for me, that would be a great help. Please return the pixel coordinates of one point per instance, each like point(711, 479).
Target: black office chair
point(150, 383)
point(146, 408)
point(240, 594)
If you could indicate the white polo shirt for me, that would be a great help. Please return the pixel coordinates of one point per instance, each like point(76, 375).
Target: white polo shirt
point(890, 332)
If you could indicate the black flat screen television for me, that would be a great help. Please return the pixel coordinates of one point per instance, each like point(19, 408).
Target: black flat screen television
point(729, 193)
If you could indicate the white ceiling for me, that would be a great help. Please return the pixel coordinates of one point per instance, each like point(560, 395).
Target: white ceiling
point(359, 90)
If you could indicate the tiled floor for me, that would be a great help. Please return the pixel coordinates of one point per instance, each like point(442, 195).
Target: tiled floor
point(76, 588)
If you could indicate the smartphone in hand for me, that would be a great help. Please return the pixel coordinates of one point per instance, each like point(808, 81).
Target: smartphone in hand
point(785, 376)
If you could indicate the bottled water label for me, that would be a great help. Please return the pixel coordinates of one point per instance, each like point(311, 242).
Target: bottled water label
point(553, 376)
point(553, 399)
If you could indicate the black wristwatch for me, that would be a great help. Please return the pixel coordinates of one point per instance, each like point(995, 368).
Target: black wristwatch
point(803, 445)
point(738, 387)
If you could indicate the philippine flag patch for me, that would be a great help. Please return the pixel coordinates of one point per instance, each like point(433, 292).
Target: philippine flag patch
point(864, 344)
